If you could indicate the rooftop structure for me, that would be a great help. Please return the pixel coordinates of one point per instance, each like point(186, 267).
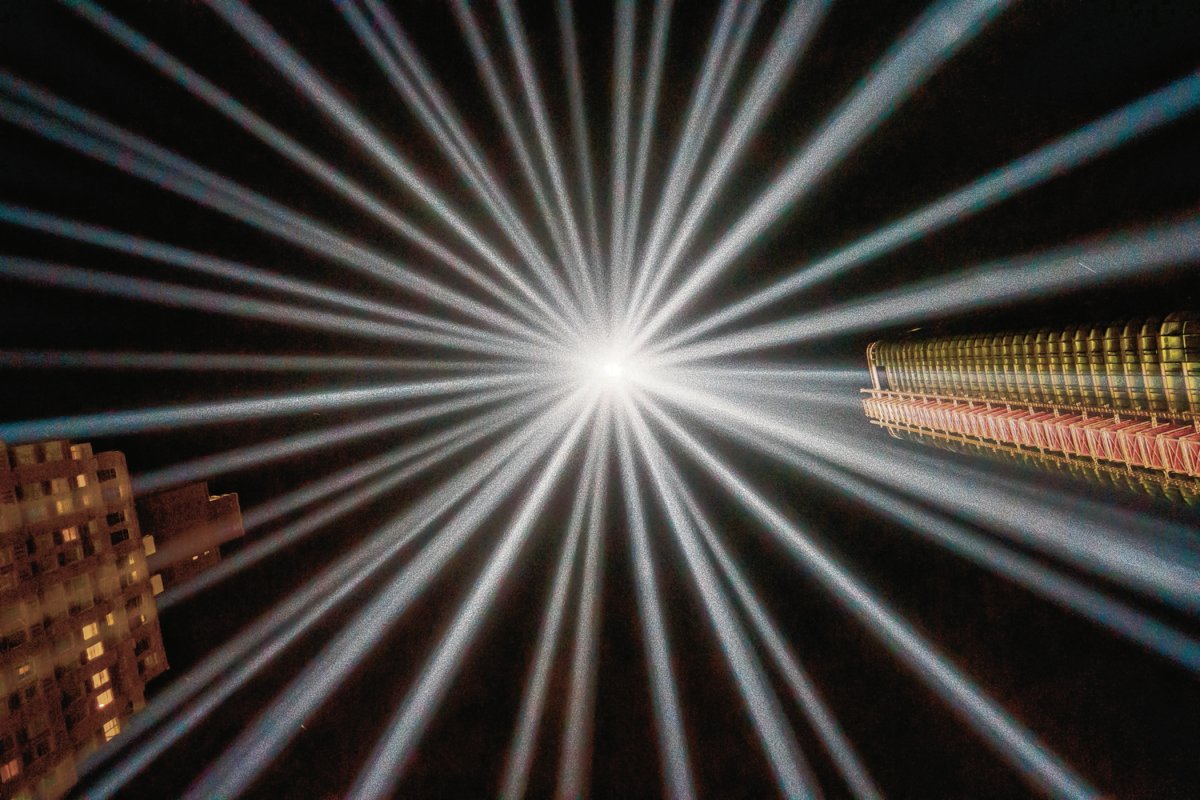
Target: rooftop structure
point(1123, 395)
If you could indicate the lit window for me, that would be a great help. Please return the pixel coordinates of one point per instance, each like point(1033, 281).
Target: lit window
point(131, 560)
point(111, 728)
point(109, 619)
point(100, 678)
point(95, 651)
point(104, 698)
point(156, 586)
point(91, 631)
point(10, 770)
point(133, 575)
point(195, 558)
point(80, 481)
point(24, 669)
point(70, 534)
point(148, 545)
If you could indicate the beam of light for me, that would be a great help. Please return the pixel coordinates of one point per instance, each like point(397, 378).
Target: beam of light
point(172, 295)
point(167, 170)
point(802, 387)
point(576, 748)
point(225, 362)
point(721, 61)
point(533, 701)
point(266, 736)
point(804, 691)
point(193, 261)
point(668, 721)
point(1005, 282)
point(378, 778)
point(788, 43)
point(579, 128)
point(448, 131)
point(113, 423)
point(623, 259)
point(274, 138)
point(931, 41)
point(1013, 742)
point(501, 104)
point(1024, 571)
point(226, 670)
point(1156, 559)
point(624, 33)
point(792, 772)
point(530, 85)
point(309, 83)
point(1052, 160)
point(256, 456)
point(391, 471)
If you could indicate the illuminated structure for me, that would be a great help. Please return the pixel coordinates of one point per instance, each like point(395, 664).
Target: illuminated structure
point(188, 526)
point(1102, 399)
point(79, 634)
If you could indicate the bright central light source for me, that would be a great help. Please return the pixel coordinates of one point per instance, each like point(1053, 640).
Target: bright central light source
point(613, 370)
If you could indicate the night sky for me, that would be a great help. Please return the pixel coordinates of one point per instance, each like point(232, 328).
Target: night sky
point(1127, 721)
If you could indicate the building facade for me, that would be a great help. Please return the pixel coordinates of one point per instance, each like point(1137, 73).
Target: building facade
point(1094, 399)
point(79, 633)
point(188, 526)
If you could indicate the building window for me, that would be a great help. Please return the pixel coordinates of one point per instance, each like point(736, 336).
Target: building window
point(100, 678)
point(111, 729)
point(70, 534)
point(95, 651)
point(24, 670)
point(119, 536)
point(10, 771)
point(106, 474)
point(109, 619)
point(91, 631)
point(104, 698)
point(115, 518)
point(148, 544)
point(80, 481)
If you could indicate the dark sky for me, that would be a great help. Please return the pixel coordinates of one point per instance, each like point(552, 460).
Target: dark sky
point(1125, 720)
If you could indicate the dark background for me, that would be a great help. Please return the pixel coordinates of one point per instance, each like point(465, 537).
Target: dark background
point(1125, 720)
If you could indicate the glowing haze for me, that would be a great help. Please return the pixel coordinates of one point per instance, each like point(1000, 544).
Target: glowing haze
point(578, 363)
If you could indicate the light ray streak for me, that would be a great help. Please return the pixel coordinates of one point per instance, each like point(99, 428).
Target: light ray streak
point(803, 689)
point(283, 144)
point(788, 44)
point(1050, 161)
point(625, 27)
point(931, 41)
point(262, 741)
point(174, 295)
point(721, 61)
point(1008, 281)
point(501, 104)
point(1018, 746)
point(389, 757)
point(193, 261)
point(258, 455)
point(225, 671)
point(268, 43)
point(427, 452)
point(448, 131)
point(171, 172)
point(533, 701)
point(793, 774)
point(623, 260)
point(576, 747)
point(225, 362)
point(532, 90)
point(1155, 559)
point(112, 423)
point(579, 129)
point(1047, 583)
point(678, 781)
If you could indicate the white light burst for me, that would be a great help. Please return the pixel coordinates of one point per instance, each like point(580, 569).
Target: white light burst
point(575, 360)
